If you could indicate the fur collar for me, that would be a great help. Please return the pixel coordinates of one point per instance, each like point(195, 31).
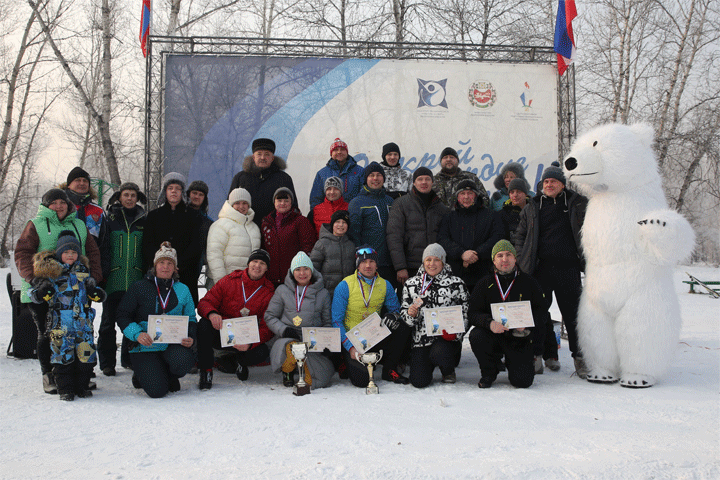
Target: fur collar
point(46, 264)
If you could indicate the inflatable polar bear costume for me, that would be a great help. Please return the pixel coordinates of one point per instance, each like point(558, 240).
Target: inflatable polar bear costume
point(629, 315)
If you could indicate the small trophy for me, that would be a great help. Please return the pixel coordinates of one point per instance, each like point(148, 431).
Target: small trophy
point(299, 351)
point(370, 359)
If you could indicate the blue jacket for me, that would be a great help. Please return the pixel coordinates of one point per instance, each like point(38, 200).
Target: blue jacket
point(369, 213)
point(351, 174)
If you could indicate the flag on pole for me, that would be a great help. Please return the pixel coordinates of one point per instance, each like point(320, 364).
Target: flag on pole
point(564, 39)
point(145, 18)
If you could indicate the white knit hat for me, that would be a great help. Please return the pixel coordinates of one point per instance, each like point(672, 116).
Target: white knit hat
point(166, 251)
point(239, 195)
point(434, 250)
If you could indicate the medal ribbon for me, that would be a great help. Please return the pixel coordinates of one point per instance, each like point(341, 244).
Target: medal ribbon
point(504, 294)
point(367, 302)
point(425, 286)
point(247, 299)
point(298, 301)
point(163, 303)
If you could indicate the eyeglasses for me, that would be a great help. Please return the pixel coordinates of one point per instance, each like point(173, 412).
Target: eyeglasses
point(365, 251)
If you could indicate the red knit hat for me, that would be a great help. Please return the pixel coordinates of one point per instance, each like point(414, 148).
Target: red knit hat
point(338, 144)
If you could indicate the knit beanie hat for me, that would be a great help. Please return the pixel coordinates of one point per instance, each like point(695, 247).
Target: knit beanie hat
point(373, 167)
point(448, 151)
point(301, 260)
point(261, 255)
point(263, 144)
point(199, 186)
point(434, 250)
point(390, 147)
point(518, 184)
point(340, 215)
point(77, 172)
point(239, 195)
point(338, 144)
point(284, 192)
point(166, 251)
point(554, 171)
point(55, 194)
point(422, 171)
point(366, 252)
point(333, 182)
point(467, 185)
point(503, 246)
point(67, 241)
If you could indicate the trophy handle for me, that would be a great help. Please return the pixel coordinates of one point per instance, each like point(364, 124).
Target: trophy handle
point(380, 353)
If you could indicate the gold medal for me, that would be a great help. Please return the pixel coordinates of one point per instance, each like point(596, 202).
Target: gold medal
point(297, 321)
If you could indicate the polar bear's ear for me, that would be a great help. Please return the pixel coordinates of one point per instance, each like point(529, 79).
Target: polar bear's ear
point(644, 132)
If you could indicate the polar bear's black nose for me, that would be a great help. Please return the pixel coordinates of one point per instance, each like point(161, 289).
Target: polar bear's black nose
point(571, 163)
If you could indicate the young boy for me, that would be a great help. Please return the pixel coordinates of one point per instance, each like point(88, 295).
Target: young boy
point(333, 202)
point(62, 280)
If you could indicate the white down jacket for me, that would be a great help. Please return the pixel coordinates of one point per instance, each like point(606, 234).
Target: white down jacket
point(231, 240)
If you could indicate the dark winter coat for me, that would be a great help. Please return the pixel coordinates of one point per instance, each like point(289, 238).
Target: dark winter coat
point(142, 300)
point(446, 290)
point(296, 233)
point(369, 213)
point(93, 216)
point(261, 184)
point(412, 227)
point(351, 175)
point(510, 216)
point(334, 257)
point(124, 248)
point(527, 233)
point(475, 228)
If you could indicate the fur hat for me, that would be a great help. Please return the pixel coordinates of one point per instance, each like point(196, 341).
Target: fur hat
point(301, 260)
point(263, 144)
point(421, 172)
point(448, 151)
point(554, 171)
point(166, 251)
point(141, 198)
point(503, 246)
point(337, 143)
point(261, 255)
point(513, 167)
point(239, 195)
point(77, 172)
point(373, 167)
point(519, 184)
point(434, 250)
point(169, 179)
point(67, 241)
point(333, 182)
point(366, 252)
point(284, 190)
point(56, 194)
point(390, 147)
point(467, 185)
point(199, 186)
point(340, 215)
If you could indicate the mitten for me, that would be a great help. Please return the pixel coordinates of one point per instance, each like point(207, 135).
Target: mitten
point(391, 321)
point(292, 332)
point(97, 294)
point(43, 291)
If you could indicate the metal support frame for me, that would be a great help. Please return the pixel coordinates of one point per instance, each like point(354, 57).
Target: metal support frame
point(159, 47)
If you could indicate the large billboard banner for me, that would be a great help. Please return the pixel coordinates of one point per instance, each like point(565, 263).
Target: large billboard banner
point(491, 113)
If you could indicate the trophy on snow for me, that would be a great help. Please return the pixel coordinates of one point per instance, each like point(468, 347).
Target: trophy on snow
point(299, 351)
point(370, 359)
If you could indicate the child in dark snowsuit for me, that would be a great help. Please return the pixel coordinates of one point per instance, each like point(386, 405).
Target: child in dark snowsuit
point(62, 279)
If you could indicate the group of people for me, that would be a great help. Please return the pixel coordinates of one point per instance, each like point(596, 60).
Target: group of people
point(377, 240)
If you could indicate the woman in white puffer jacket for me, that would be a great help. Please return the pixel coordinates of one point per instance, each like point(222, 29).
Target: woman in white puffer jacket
point(233, 237)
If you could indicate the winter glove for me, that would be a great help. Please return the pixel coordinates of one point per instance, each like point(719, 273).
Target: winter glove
point(97, 294)
point(292, 332)
point(90, 283)
point(448, 337)
point(43, 290)
point(391, 321)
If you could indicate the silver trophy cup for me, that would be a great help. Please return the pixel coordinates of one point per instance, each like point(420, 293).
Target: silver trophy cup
point(370, 359)
point(299, 351)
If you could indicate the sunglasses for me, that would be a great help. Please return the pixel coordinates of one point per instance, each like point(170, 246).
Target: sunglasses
point(365, 251)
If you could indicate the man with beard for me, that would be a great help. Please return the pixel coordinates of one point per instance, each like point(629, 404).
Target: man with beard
point(450, 176)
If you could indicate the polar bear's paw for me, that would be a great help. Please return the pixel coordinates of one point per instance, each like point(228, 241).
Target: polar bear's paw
point(665, 236)
point(637, 380)
point(600, 375)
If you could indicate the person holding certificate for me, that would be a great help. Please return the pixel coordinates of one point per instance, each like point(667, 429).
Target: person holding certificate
point(302, 301)
point(158, 366)
point(242, 293)
point(491, 338)
point(434, 286)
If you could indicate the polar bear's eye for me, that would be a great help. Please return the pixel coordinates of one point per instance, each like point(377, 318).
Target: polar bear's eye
point(594, 143)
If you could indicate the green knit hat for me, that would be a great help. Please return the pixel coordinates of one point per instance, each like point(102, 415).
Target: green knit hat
point(503, 246)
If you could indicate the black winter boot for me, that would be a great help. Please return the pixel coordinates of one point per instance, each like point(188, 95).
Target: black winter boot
point(206, 378)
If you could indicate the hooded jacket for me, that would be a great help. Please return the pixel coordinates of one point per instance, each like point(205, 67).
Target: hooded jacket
point(124, 248)
point(351, 175)
point(369, 213)
point(334, 257)
point(231, 240)
point(501, 195)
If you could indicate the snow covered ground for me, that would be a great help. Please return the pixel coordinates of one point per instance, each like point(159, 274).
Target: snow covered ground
point(561, 427)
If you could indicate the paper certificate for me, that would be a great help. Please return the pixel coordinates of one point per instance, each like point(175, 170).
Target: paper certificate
point(167, 328)
point(438, 319)
point(320, 338)
point(513, 314)
point(368, 333)
point(239, 331)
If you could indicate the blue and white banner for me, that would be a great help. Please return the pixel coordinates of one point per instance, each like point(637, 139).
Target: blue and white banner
point(490, 113)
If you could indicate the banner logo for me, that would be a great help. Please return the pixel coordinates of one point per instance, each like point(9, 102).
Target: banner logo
point(482, 94)
point(431, 93)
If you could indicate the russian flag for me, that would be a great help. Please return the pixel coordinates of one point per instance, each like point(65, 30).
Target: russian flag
point(564, 39)
point(145, 18)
